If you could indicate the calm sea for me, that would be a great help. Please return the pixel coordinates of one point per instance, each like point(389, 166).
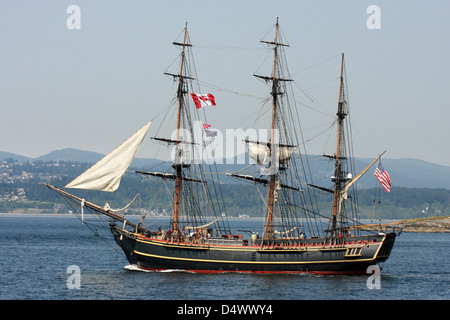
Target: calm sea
point(36, 251)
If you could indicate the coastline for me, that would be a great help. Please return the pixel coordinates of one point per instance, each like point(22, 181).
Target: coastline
point(420, 225)
point(431, 225)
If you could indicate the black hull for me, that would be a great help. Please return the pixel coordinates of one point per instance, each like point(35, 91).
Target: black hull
point(344, 256)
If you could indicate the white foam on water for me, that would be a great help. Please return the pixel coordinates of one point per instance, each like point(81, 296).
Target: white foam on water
point(133, 267)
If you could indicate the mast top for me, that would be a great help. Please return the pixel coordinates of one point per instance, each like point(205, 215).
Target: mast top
point(342, 112)
point(276, 42)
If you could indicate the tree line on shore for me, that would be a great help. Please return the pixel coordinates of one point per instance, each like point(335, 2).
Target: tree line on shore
point(400, 203)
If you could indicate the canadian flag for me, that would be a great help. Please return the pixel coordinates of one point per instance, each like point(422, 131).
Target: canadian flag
point(202, 100)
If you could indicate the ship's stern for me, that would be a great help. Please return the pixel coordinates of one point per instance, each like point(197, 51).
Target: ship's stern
point(385, 249)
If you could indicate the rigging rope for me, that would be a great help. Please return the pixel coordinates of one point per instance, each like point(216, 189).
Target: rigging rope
point(75, 205)
point(107, 207)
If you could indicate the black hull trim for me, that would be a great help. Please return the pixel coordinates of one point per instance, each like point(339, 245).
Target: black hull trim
point(329, 268)
point(348, 258)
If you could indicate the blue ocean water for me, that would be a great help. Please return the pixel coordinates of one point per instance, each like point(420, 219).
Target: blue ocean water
point(36, 251)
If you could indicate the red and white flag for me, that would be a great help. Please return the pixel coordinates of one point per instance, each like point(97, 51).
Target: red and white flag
point(202, 100)
point(206, 126)
point(383, 177)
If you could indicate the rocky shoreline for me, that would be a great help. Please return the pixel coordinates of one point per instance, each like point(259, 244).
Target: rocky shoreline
point(432, 225)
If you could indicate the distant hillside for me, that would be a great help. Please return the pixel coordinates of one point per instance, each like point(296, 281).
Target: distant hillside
point(21, 188)
point(411, 173)
point(75, 155)
point(69, 154)
point(418, 173)
point(8, 155)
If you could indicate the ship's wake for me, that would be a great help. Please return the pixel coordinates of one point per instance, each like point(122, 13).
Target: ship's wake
point(133, 267)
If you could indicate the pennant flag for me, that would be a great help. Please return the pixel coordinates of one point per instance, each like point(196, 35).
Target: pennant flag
point(202, 100)
point(383, 177)
point(206, 126)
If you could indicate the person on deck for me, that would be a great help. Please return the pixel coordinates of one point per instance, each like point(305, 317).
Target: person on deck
point(253, 238)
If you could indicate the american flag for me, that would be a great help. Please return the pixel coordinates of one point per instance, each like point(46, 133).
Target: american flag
point(383, 177)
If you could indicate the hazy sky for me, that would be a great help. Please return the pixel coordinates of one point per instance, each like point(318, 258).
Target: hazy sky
point(91, 88)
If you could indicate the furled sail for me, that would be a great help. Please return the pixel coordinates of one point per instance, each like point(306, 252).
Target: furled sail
point(181, 154)
point(203, 226)
point(285, 154)
point(260, 152)
point(344, 192)
point(105, 175)
point(359, 175)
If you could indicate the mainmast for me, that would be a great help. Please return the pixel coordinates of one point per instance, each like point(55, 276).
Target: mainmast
point(273, 176)
point(274, 145)
point(284, 195)
point(339, 179)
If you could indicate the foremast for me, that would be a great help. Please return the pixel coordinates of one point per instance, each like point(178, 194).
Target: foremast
point(192, 200)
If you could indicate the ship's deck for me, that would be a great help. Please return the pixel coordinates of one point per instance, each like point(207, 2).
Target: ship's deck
point(273, 244)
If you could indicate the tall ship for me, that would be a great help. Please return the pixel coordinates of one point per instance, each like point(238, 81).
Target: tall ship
point(296, 237)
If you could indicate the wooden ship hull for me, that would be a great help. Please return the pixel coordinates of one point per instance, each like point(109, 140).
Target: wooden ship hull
point(351, 255)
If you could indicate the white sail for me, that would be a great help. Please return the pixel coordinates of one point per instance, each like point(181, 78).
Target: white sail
point(261, 153)
point(344, 190)
point(285, 154)
point(105, 175)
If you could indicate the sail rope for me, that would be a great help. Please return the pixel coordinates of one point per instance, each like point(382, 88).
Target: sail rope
point(188, 227)
point(104, 240)
point(106, 207)
point(209, 85)
point(318, 63)
point(75, 205)
point(150, 206)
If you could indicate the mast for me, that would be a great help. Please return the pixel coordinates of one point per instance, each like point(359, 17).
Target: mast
point(178, 166)
point(274, 145)
point(191, 196)
point(272, 177)
point(339, 180)
point(284, 195)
